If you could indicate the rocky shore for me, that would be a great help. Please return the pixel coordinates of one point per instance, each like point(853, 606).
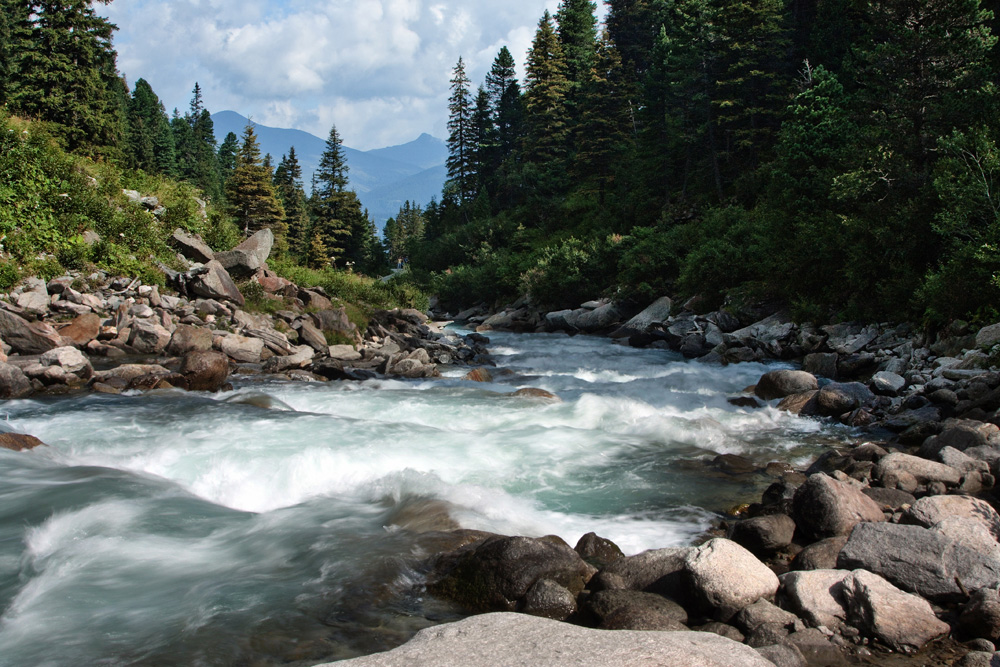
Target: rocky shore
point(113, 334)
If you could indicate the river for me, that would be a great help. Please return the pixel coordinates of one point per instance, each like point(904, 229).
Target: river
point(263, 526)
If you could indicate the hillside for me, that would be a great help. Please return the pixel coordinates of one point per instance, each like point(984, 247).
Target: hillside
point(383, 177)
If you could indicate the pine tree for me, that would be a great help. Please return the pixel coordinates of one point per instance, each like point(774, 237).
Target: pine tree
point(151, 142)
point(197, 158)
point(505, 102)
point(547, 132)
point(288, 185)
point(334, 210)
point(486, 147)
point(578, 36)
point(228, 149)
point(461, 135)
point(632, 26)
point(249, 192)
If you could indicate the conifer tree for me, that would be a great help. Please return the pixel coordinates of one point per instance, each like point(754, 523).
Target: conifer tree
point(151, 142)
point(228, 149)
point(578, 36)
point(632, 26)
point(288, 184)
point(547, 131)
point(249, 192)
point(505, 102)
point(461, 135)
point(334, 209)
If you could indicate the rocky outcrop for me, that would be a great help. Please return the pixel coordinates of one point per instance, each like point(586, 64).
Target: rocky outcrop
point(249, 256)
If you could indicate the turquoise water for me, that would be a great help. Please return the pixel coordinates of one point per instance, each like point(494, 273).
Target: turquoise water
point(178, 528)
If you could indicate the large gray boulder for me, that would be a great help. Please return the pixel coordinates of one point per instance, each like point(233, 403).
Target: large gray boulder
point(656, 313)
point(930, 563)
point(924, 471)
point(837, 398)
point(881, 611)
point(824, 507)
point(724, 578)
point(814, 596)
point(245, 259)
point(13, 382)
point(655, 571)
point(216, 283)
point(516, 640)
point(27, 337)
point(961, 434)
point(600, 318)
point(932, 510)
point(242, 348)
point(191, 247)
point(782, 383)
point(148, 337)
point(763, 535)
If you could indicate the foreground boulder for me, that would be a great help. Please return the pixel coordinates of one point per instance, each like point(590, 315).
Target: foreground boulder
point(724, 578)
point(824, 507)
point(27, 337)
point(782, 383)
point(19, 442)
point(879, 610)
point(205, 370)
point(515, 640)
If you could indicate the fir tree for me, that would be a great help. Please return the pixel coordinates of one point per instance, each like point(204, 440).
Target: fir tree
point(545, 102)
point(228, 149)
point(334, 210)
point(288, 185)
point(461, 135)
point(151, 142)
point(578, 36)
point(251, 196)
point(505, 102)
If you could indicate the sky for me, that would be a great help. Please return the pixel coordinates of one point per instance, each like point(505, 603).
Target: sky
point(377, 69)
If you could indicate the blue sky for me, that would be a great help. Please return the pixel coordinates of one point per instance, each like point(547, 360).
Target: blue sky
point(378, 69)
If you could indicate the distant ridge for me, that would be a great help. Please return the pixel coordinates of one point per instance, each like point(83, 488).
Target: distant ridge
point(383, 177)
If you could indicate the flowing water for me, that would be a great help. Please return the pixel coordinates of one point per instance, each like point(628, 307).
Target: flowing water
point(285, 522)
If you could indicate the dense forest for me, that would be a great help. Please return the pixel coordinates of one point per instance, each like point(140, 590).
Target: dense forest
point(838, 157)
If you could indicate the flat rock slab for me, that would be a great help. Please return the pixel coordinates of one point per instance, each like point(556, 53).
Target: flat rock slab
point(516, 640)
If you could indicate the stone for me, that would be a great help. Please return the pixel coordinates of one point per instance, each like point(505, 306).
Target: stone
point(800, 404)
point(921, 469)
point(600, 318)
point(82, 329)
point(824, 507)
point(821, 555)
point(36, 303)
point(216, 284)
point(187, 338)
point(127, 372)
point(69, 359)
point(932, 510)
point(813, 595)
point(13, 382)
point(885, 383)
point(655, 571)
point(930, 563)
point(242, 348)
point(881, 611)
point(19, 442)
point(205, 370)
point(763, 535)
point(980, 617)
point(722, 629)
point(763, 613)
point(191, 247)
point(313, 300)
point(516, 640)
point(300, 357)
point(312, 337)
point(536, 393)
point(656, 313)
point(478, 375)
point(961, 434)
point(782, 383)
point(597, 551)
point(889, 499)
point(783, 655)
point(961, 461)
point(343, 353)
point(548, 599)
point(334, 320)
point(988, 336)
point(635, 610)
point(27, 337)
point(837, 398)
point(496, 573)
point(245, 259)
point(823, 364)
point(724, 578)
point(147, 337)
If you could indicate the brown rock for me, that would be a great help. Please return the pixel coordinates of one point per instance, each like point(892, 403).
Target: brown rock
point(83, 329)
point(205, 370)
point(27, 337)
point(824, 507)
point(478, 375)
point(19, 442)
point(187, 338)
point(782, 383)
point(534, 392)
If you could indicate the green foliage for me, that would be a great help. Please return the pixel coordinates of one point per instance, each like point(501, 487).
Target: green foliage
point(353, 288)
point(565, 273)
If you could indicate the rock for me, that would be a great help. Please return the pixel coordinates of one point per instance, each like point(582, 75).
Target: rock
point(548, 599)
point(313, 300)
point(27, 337)
point(773, 328)
point(823, 364)
point(885, 383)
point(961, 461)
point(655, 571)
point(600, 318)
point(821, 555)
point(961, 434)
point(334, 320)
point(187, 338)
point(82, 329)
point(763, 535)
point(498, 572)
point(824, 507)
point(724, 578)
point(70, 360)
point(128, 372)
point(837, 398)
point(889, 499)
point(33, 302)
point(242, 348)
point(932, 510)
point(343, 353)
point(13, 382)
point(813, 595)
point(881, 611)
point(800, 404)
point(782, 383)
point(478, 375)
point(979, 659)
point(535, 392)
point(733, 464)
point(763, 615)
point(723, 630)
point(192, 247)
point(597, 550)
point(312, 337)
point(245, 259)
point(635, 610)
point(988, 336)
point(980, 617)
point(783, 655)
point(147, 337)
point(216, 283)
point(205, 370)
point(19, 442)
point(515, 640)
point(896, 464)
point(300, 357)
point(656, 313)
point(929, 563)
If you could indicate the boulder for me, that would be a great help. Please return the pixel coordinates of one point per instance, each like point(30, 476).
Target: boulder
point(782, 383)
point(889, 499)
point(654, 571)
point(128, 372)
point(763, 620)
point(980, 617)
point(313, 300)
point(242, 348)
point(82, 329)
point(597, 551)
point(837, 398)
point(824, 507)
point(896, 464)
point(536, 393)
point(601, 318)
point(312, 337)
point(13, 382)
point(27, 337)
point(343, 353)
point(70, 360)
point(515, 640)
point(814, 596)
point(656, 313)
point(205, 370)
point(800, 404)
point(724, 578)
point(497, 573)
point(931, 510)
point(216, 283)
point(36, 303)
point(191, 247)
point(823, 364)
point(821, 555)
point(300, 357)
point(19, 442)
point(763, 535)
point(961, 434)
point(548, 599)
point(784, 655)
point(885, 383)
point(334, 320)
point(245, 259)
point(635, 610)
point(882, 612)
point(929, 563)
point(988, 336)
point(148, 337)
point(187, 338)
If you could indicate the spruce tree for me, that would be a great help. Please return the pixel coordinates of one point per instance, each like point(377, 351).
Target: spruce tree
point(505, 103)
point(288, 185)
point(334, 210)
point(228, 149)
point(578, 36)
point(151, 142)
point(546, 118)
point(461, 135)
point(251, 197)
point(632, 26)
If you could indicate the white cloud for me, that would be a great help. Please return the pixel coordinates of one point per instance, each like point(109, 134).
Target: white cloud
point(379, 69)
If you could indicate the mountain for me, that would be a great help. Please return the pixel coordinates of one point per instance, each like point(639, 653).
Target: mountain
point(383, 178)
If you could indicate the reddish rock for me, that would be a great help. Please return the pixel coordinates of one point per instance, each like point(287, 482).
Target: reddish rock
point(19, 442)
point(82, 329)
point(205, 370)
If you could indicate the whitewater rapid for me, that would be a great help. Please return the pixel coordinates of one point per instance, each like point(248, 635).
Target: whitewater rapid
point(264, 524)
